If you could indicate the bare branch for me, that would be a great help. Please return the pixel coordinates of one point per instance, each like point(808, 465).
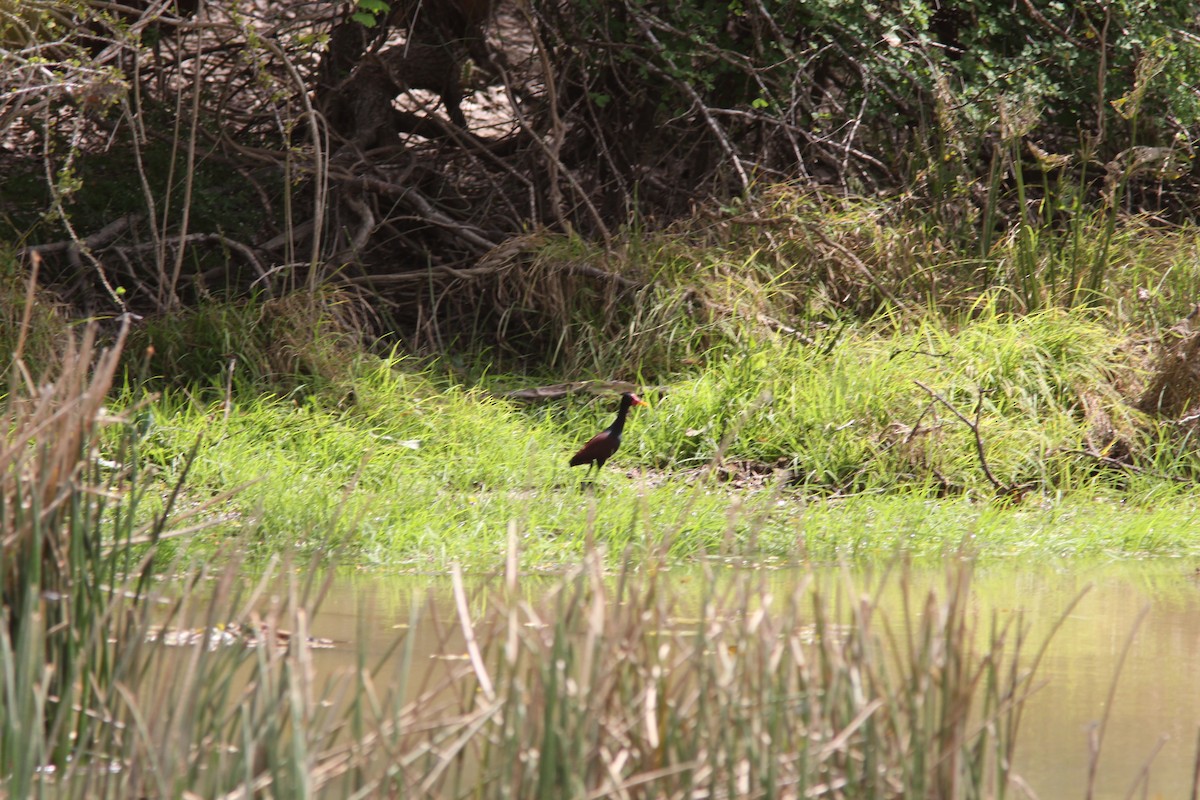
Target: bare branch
point(1001, 489)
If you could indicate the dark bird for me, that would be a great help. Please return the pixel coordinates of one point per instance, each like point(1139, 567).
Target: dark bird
point(601, 446)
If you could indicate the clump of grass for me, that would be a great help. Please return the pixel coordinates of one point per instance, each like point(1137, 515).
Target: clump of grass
point(59, 562)
point(745, 692)
point(33, 323)
point(305, 342)
point(857, 418)
point(76, 558)
point(749, 692)
point(52, 425)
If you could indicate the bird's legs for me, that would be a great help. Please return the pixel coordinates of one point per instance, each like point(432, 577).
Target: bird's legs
point(588, 478)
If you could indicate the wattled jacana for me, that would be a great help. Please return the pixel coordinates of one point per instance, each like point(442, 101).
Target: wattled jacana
point(601, 446)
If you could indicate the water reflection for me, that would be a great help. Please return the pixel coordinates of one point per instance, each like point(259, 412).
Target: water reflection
point(1155, 710)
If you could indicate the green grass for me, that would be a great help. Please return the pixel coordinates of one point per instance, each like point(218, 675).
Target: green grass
point(811, 263)
point(777, 450)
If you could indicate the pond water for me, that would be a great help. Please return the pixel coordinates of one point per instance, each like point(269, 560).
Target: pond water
point(1153, 721)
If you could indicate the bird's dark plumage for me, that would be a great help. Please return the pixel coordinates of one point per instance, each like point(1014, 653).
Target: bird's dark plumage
point(601, 446)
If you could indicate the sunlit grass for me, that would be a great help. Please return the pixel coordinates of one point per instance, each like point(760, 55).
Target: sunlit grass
point(776, 449)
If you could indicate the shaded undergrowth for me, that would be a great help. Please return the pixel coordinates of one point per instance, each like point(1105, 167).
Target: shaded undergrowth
point(800, 265)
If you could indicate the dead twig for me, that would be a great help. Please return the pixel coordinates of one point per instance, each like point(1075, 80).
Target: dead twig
point(1041, 19)
point(699, 104)
point(1001, 488)
point(247, 252)
point(472, 236)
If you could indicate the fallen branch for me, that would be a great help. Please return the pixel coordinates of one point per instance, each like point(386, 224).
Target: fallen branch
point(470, 234)
point(559, 390)
point(98, 239)
point(244, 250)
point(102, 237)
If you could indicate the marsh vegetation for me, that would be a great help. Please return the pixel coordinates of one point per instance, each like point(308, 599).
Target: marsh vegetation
point(905, 284)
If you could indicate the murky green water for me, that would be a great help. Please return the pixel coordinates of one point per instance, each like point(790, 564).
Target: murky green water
point(1154, 714)
point(1153, 717)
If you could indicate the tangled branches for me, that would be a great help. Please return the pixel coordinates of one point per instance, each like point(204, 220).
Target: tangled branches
point(186, 149)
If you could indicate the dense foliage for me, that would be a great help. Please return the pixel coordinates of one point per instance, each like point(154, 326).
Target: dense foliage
point(159, 155)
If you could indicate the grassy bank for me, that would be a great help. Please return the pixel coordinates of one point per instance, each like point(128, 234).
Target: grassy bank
point(773, 449)
point(828, 378)
point(206, 683)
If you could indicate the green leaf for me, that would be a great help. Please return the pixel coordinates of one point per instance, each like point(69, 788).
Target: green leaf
point(368, 12)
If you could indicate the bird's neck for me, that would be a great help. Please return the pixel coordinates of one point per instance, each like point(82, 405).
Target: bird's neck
point(619, 424)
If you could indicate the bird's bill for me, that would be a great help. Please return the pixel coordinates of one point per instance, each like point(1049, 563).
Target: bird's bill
point(637, 401)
